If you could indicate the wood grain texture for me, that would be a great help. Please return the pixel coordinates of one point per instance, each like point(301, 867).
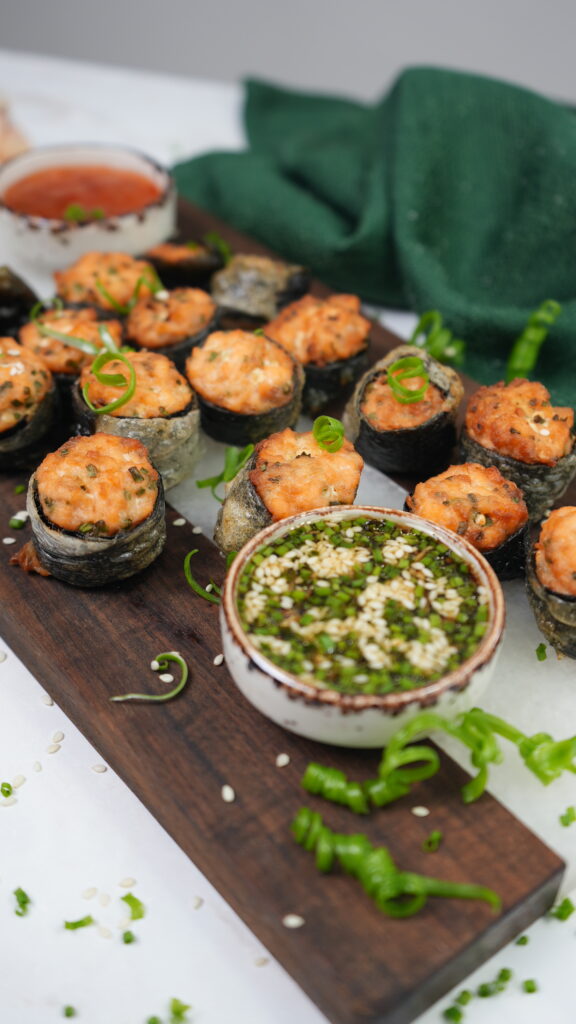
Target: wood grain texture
point(356, 964)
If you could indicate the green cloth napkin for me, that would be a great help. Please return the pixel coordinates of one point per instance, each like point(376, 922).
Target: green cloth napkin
point(454, 192)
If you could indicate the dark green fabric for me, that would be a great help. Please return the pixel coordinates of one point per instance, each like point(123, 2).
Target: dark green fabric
point(454, 192)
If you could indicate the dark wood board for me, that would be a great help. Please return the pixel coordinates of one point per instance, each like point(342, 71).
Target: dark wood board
point(356, 964)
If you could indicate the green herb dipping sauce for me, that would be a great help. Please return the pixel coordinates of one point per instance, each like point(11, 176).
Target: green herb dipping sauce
point(362, 605)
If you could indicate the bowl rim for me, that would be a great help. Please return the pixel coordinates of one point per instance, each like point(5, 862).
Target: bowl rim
point(167, 189)
point(394, 702)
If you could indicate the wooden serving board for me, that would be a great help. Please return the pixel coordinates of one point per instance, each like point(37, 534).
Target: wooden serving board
point(355, 963)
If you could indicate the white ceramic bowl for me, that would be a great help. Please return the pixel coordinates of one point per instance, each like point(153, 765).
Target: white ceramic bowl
point(49, 244)
point(355, 720)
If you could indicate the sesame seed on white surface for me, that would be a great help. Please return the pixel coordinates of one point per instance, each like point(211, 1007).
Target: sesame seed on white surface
point(127, 883)
point(197, 902)
point(9, 801)
point(104, 899)
point(36, 767)
point(53, 748)
point(197, 529)
point(104, 932)
point(47, 700)
point(90, 893)
point(3, 656)
point(18, 781)
point(99, 768)
point(58, 737)
point(261, 961)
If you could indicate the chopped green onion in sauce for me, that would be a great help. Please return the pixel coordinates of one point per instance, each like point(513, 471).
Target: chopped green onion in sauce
point(77, 212)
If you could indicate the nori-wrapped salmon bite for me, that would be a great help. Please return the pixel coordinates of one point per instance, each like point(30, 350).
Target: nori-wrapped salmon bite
point(16, 301)
point(516, 428)
point(551, 579)
point(96, 508)
point(402, 415)
point(330, 338)
point(258, 286)
point(162, 412)
point(107, 280)
point(247, 386)
point(184, 264)
point(479, 504)
point(287, 473)
point(171, 322)
point(28, 405)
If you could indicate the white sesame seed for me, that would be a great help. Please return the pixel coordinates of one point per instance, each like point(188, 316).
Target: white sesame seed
point(37, 767)
point(127, 883)
point(58, 737)
point(179, 522)
point(218, 660)
point(8, 801)
point(209, 587)
point(90, 893)
point(21, 516)
point(261, 961)
point(197, 902)
point(420, 812)
point(545, 433)
point(282, 760)
point(103, 899)
point(46, 699)
point(9, 540)
point(124, 923)
point(196, 529)
point(166, 677)
point(228, 794)
point(53, 748)
point(99, 768)
point(18, 781)
point(154, 665)
point(3, 656)
point(162, 295)
point(104, 933)
point(292, 921)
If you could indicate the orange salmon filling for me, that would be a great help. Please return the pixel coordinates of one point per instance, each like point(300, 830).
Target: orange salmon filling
point(171, 252)
point(321, 331)
point(556, 552)
point(294, 474)
point(169, 317)
point(24, 381)
point(381, 407)
point(101, 481)
point(160, 389)
point(118, 273)
point(476, 502)
point(241, 371)
point(82, 323)
point(518, 420)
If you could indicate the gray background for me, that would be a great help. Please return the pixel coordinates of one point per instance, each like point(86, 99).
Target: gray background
point(353, 47)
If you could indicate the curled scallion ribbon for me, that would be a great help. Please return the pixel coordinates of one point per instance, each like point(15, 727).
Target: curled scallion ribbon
point(149, 280)
point(407, 368)
point(396, 893)
point(431, 335)
point(234, 460)
point(163, 662)
point(328, 433)
point(68, 339)
point(214, 598)
point(113, 380)
point(526, 348)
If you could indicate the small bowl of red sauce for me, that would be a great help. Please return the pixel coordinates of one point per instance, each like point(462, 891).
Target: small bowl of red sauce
point(57, 202)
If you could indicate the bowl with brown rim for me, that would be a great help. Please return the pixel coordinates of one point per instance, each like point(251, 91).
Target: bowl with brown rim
point(358, 719)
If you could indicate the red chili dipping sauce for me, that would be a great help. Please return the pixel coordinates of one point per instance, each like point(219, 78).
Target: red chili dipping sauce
point(81, 192)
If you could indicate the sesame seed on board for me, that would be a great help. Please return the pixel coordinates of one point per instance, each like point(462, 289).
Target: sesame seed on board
point(228, 794)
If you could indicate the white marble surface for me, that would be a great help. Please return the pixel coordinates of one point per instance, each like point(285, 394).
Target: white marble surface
point(72, 828)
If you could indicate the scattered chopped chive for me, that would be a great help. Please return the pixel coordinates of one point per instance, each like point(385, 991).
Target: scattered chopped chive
point(137, 908)
point(564, 910)
point(128, 937)
point(178, 1011)
point(328, 433)
point(529, 985)
point(6, 789)
point(215, 241)
point(234, 460)
point(569, 816)
point(69, 1011)
point(465, 996)
point(196, 587)
point(452, 1013)
point(526, 348)
point(114, 380)
point(20, 488)
point(504, 975)
point(16, 524)
point(433, 337)
point(153, 1020)
point(259, 332)
point(432, 842)
point(522, 940)
point(162, 660)
point(78, 212)
point(407, 368)
point(23, 900)
point(541, 652)
point(83, 922)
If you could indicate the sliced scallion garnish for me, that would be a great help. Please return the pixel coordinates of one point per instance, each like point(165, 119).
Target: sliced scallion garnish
point(564, 910)
point(215, 241)
point(162, 661)
point(432, 842)
point(6, 789)
point(196, 587)
point(149, 280)
point(76, 212)
point(69, 1011)
point(114, 380)
point(137, 908)
point(20, 489)
point(407, 368)
point(234, 460)
point(16, 523)
point(541, 652)
point(23, 900)
point(569, 817)
point(82, 922)
point(178, 1011)
point(128, 938)
point(526, 348)
point(437, 340)
point(328, 433)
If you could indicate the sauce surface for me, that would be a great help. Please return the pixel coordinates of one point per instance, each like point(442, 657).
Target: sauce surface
point(50, 192)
